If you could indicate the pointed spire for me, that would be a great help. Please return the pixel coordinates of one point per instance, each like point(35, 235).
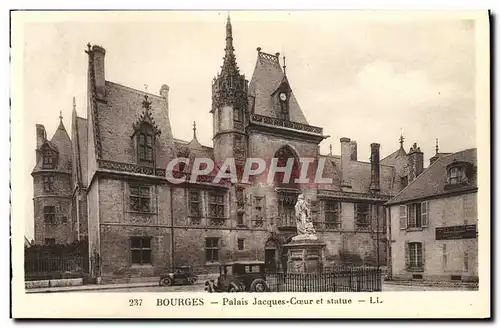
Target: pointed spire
point(229, 37)
point(60, 116)
point(74, 104)
point(284, 64)
point(437, 146)
point(194, 131)
point(229, 66)
point(330, 150)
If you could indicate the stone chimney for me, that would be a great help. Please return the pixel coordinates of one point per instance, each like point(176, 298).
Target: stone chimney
point(98, 54)
point(415, 162)
point(41, 135)
point(375, 167)
point(354, 151)
point(164, 92)
point(345, 154)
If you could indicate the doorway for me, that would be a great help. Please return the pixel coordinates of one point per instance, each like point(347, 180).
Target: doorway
point(270, 259)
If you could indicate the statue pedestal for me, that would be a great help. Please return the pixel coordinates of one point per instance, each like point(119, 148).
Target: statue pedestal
point(304, 255)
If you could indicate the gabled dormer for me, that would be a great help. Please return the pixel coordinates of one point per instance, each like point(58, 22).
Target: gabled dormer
point(145, 133)
point(49, 156)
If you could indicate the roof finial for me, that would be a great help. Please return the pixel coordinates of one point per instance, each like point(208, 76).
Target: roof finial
point(330, 149)
point(284, 64)
point(145, 88)
point(74, 104)
point(60, 116)
point(401, 139)
point(194, 130)
point(437, 146)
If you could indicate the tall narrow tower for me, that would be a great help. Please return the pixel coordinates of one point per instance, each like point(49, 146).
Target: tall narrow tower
point(52, 187)
point(229, 107)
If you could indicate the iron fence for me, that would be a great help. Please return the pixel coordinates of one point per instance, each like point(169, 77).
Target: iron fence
point(336, 280)
point(54, 267)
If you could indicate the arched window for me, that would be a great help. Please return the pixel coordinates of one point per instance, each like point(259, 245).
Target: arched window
point(283, 155)
point(145, 144)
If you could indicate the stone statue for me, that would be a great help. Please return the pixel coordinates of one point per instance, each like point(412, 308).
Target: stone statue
point(305, 227)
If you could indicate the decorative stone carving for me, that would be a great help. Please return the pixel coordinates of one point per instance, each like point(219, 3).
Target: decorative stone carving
point(284, 123)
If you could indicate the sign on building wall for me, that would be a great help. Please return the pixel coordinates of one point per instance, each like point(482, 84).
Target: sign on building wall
point(456, 232)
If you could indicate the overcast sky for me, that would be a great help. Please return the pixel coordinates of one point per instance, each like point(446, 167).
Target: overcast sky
point(360, 78)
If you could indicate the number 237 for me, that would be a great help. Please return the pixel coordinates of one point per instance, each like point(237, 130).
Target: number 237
point(135, 302)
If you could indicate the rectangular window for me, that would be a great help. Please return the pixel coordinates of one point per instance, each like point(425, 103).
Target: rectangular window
point(140, 198)
point(212, 249)
point(418, 215)
point(50, 241)
point(362, 212)
point(240, 199)
point(332, 214)
point(194, 203)
point(140, 247)
point(240, 219)
point(48, 183)
point(145, 143)
point(258, 220)
point(456, 174)
point(216, 205)
point(415, 255)
point(241, 244)
point(48, 160)
point(49, 214)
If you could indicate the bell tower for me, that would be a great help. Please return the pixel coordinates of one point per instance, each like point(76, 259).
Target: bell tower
point(229, 107)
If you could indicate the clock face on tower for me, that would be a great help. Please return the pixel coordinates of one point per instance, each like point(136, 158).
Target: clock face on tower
point(282, 96)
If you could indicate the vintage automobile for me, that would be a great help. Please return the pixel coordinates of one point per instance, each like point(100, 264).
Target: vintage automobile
point(182, 275)
point(240, 276)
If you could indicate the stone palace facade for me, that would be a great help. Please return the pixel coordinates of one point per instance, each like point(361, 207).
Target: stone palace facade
point(107, 182)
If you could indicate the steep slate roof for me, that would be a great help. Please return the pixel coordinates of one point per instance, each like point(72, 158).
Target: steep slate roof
point(389, 159)
point(432, 181)
point(123, 109)
point(360, 173)
point(267, 77)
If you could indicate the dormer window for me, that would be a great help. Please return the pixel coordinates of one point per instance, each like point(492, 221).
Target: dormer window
point(458, 173)
point(145, 132)
point(48, 159)
point(145, 143)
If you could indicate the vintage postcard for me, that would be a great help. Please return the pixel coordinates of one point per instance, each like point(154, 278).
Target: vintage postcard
point(246, 164)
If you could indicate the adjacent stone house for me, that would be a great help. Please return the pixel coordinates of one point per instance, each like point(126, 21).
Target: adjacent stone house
point(433, 221)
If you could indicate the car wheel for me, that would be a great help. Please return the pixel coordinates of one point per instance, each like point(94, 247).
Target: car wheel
point(192, 280)
point(259, 286)
point(166, 282)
